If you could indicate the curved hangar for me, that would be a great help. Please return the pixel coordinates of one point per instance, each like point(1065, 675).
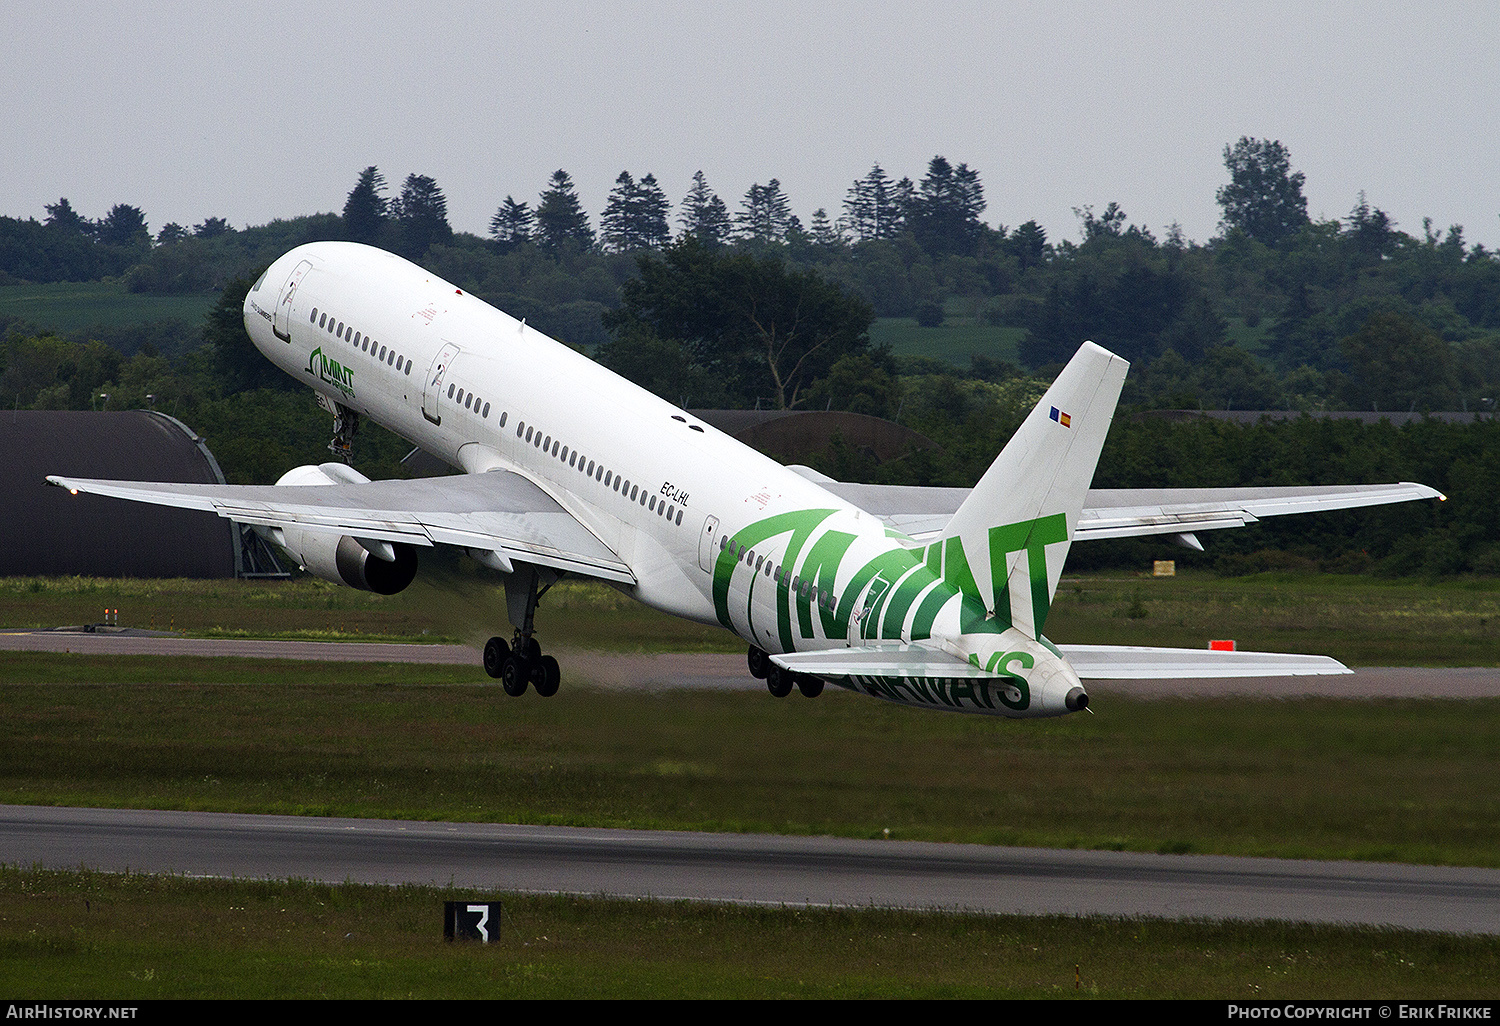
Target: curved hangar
point(51, 533)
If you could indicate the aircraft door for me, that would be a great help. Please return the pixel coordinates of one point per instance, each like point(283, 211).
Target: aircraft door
point(281, 325)
point(708, 544)
point(434, 388)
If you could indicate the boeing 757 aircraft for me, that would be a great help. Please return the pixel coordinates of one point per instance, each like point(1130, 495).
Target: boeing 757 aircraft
point(926, 596)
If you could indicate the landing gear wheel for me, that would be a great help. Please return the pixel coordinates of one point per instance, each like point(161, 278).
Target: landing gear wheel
point(515, 676)
point(759, 662)
point(811, 687)
point(551, 677)
point(496, 651)
point(778, 681)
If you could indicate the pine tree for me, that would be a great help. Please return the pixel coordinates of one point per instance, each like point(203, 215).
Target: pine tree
point(704, 215)
point(62, 216)
point(365, 210)
point(944, 215)
point(824, 232)
point(765, 216)
point(652, 211)
point(422, 212)
point(561, 223)
point(513, 224)
point(124, 225)
point(870, 208)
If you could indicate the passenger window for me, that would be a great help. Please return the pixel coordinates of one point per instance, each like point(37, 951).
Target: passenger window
point(323, 321)
point(502, 414)
point(486, 414)
point(357, 338)
point(450, 390)
point(382, 354)
point(315, 309)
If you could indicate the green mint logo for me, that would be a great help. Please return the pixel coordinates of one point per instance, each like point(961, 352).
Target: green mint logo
point(1027, 536)
point(331, 372)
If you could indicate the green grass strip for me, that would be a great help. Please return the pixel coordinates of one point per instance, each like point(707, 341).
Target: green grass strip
point(1315, 778)
point(83, 935)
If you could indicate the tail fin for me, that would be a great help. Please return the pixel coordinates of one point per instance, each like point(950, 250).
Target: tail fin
point(1007, 542)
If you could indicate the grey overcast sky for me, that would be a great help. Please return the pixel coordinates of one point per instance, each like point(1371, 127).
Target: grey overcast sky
point(254, 111)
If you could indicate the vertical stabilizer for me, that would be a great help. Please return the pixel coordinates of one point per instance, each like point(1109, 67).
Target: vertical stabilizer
point(1007, 542)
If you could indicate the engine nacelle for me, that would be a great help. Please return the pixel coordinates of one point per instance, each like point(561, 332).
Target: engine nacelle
point(370, 565)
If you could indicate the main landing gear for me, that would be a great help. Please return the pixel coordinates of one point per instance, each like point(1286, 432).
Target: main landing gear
point(780, 681)
point(520, 662)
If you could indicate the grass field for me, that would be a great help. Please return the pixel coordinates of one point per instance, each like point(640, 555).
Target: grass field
point(74, 306)
point(954, 343)
point(1372, 780)
point(91, 935)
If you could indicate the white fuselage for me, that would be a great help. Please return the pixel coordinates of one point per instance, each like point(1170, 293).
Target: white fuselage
point(682, 504)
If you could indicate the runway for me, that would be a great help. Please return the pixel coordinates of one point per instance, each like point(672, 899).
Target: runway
point(727, 671)
point(748, 868)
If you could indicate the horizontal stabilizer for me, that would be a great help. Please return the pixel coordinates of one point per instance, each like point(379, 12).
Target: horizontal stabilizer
point(1124, 662)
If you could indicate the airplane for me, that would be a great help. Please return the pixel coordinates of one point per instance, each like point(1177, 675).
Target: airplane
point(929, 597)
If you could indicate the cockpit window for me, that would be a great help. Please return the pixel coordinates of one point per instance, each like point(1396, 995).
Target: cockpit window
point(260, 281)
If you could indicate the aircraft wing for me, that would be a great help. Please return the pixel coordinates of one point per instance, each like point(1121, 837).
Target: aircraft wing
point(497, 511)
point(922, 513)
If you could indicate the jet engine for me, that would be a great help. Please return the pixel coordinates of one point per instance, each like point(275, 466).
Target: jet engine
point(368, 564)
